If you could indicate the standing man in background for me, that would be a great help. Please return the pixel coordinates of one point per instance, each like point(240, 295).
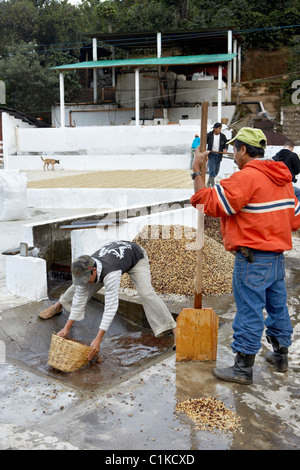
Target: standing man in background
point(216, 143)
point(291, 159)
point(195, 144)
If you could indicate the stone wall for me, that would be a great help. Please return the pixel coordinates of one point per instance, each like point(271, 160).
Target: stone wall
point(291, 123)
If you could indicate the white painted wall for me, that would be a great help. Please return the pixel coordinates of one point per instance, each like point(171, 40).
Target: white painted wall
point(105, 147)
point(99, 148)
point(26, 277)
point(89, 240)
point(101, 162)
point(111, 115)
point(103, 198)
point(106, 140)
point(10, 134)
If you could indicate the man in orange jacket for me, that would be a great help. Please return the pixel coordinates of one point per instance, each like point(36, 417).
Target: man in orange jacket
point(258, 211)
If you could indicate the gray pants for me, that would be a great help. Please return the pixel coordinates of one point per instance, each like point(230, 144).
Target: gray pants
point(156, 311)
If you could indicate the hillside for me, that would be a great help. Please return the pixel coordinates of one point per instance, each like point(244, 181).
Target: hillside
point(262, 77)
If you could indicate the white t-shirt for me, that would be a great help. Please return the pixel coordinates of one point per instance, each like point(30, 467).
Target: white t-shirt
point(216, 143)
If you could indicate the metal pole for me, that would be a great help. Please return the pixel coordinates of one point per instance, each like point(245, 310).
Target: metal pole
point(95, 70)
point(158, 45)
point(229, 72)
point(234, 60)
point(137, 97)
point(62, 99)
point(113, 54)
point(219, 93)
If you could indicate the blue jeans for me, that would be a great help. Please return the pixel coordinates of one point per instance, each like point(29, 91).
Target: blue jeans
point(214, 162)
point(257, 286)
point(297, 192)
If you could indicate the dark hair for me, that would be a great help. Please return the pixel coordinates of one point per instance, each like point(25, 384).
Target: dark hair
point(251, 150)
point(289, 143)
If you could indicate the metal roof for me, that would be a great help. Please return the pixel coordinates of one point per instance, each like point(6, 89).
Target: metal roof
point(149, 61)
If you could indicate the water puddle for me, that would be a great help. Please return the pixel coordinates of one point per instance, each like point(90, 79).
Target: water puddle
point(125, 349)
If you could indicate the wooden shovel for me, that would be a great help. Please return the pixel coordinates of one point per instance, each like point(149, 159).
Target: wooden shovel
point(197, 328)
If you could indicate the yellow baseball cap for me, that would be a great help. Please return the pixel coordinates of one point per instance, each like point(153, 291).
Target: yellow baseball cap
point(251, 136)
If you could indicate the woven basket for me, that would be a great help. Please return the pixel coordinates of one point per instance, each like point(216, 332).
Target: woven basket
point(67, 355)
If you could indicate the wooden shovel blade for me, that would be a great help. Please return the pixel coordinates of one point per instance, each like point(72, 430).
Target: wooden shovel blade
point(197, 335)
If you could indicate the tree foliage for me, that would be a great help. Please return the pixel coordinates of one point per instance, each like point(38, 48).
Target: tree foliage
point(35, 34)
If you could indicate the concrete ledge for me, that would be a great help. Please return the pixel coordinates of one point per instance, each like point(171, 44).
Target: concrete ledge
point(54, 244)
point(89, 240)
point(103, 198)
point(26, 277)
point(131, 308)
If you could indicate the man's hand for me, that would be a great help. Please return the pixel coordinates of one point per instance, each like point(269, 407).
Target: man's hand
point(199, 159)
point(66, 329)
point(63, 333)
point(95, 344)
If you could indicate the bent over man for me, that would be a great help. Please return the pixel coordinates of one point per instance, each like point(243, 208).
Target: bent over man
point(105, 268)
point(258, 210)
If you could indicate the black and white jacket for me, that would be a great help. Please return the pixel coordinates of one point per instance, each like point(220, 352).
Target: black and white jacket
point(112, 260)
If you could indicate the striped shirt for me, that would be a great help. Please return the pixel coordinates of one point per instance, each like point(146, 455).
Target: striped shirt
point(112, 260)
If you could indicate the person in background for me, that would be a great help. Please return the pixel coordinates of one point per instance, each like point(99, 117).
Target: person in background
point(258, 210)
point(105, 268)
point(195, 144)
point(216, 143)
point(291, 159)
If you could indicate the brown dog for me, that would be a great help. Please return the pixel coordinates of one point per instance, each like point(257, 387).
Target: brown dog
point(49, 161)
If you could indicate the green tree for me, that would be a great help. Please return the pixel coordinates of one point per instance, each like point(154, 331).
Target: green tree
point(29, 86)
point(18, 22)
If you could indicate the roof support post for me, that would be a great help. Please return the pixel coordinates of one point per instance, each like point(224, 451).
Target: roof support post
point(62, 99)
point(137, 96)
point(229, 66)
point(219, 93)
point(113, 54)
point(239, 62)
point(95, 70)
point(158, 41)
point(158, 45)
point(234, 61)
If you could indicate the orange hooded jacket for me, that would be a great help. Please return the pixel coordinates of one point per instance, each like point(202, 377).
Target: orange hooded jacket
point(257, 206)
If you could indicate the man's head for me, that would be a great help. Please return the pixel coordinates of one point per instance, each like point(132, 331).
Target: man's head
point(289, 145)
point(217, 128)
point(248, 143)
point(82, 269)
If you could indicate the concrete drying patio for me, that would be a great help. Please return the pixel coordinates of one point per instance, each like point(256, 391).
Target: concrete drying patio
point(110, 179)
point(127, 402)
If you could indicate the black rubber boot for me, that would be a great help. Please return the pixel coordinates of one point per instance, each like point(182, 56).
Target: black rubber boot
point(241, 372)
point(278, 358)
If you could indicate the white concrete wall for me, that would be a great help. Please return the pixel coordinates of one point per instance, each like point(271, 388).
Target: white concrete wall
point(10, 134)
point(106, 140)
point(102, 198)
point(100, 148)
point(26, 277)
point(101, 162)
point(87, 241)
point(85, 115)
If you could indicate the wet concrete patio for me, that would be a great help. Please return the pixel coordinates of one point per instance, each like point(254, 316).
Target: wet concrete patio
point(127, 400)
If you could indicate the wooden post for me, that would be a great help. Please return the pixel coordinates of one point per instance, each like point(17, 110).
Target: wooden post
point(200, 221)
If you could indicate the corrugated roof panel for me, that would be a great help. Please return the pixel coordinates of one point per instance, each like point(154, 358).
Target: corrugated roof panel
point(174, 60)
